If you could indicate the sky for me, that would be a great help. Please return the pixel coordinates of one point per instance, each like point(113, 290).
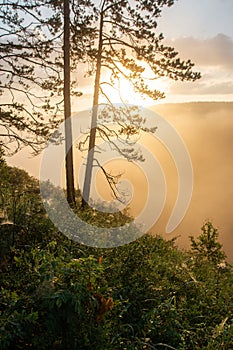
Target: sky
point(202, 31)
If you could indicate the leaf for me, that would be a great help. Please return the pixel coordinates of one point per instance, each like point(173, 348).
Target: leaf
point(59, 303)
point(219, 328)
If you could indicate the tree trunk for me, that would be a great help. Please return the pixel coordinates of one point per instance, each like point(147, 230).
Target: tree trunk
point(91, 147)
point(67, 108)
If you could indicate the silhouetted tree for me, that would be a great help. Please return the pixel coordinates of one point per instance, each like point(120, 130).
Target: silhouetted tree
point(127, 46)
point(35, 64)
point(30, 70)
point(67, 107)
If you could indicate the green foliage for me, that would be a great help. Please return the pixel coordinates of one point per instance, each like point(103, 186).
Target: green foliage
point(22, 213)
point(52, 306)
point(57, 294)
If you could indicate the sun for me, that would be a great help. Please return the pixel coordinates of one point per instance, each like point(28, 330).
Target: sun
point(123, 92)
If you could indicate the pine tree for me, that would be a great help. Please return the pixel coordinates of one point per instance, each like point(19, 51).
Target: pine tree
point(67, 107)
point(126, 44)
point(36, 61)
point(206, 246)
point(30, 83)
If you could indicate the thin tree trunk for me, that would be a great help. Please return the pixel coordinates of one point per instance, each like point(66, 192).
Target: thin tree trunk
point(67, 108)
point(92, 139)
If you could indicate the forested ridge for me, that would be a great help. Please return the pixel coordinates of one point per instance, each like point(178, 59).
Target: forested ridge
point(58, 294)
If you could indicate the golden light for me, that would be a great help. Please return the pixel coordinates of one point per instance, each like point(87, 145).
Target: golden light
point(123, 92)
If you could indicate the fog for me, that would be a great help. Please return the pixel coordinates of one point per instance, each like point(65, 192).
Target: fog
point(207, 130)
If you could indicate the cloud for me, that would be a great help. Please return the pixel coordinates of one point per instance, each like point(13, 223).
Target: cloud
point(202, 87)
point(213, 57)
point(211, 52)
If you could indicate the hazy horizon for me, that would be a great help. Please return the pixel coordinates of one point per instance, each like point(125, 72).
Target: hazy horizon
point(206, 128)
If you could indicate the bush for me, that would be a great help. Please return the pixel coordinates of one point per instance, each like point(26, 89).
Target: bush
point(57, 294)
